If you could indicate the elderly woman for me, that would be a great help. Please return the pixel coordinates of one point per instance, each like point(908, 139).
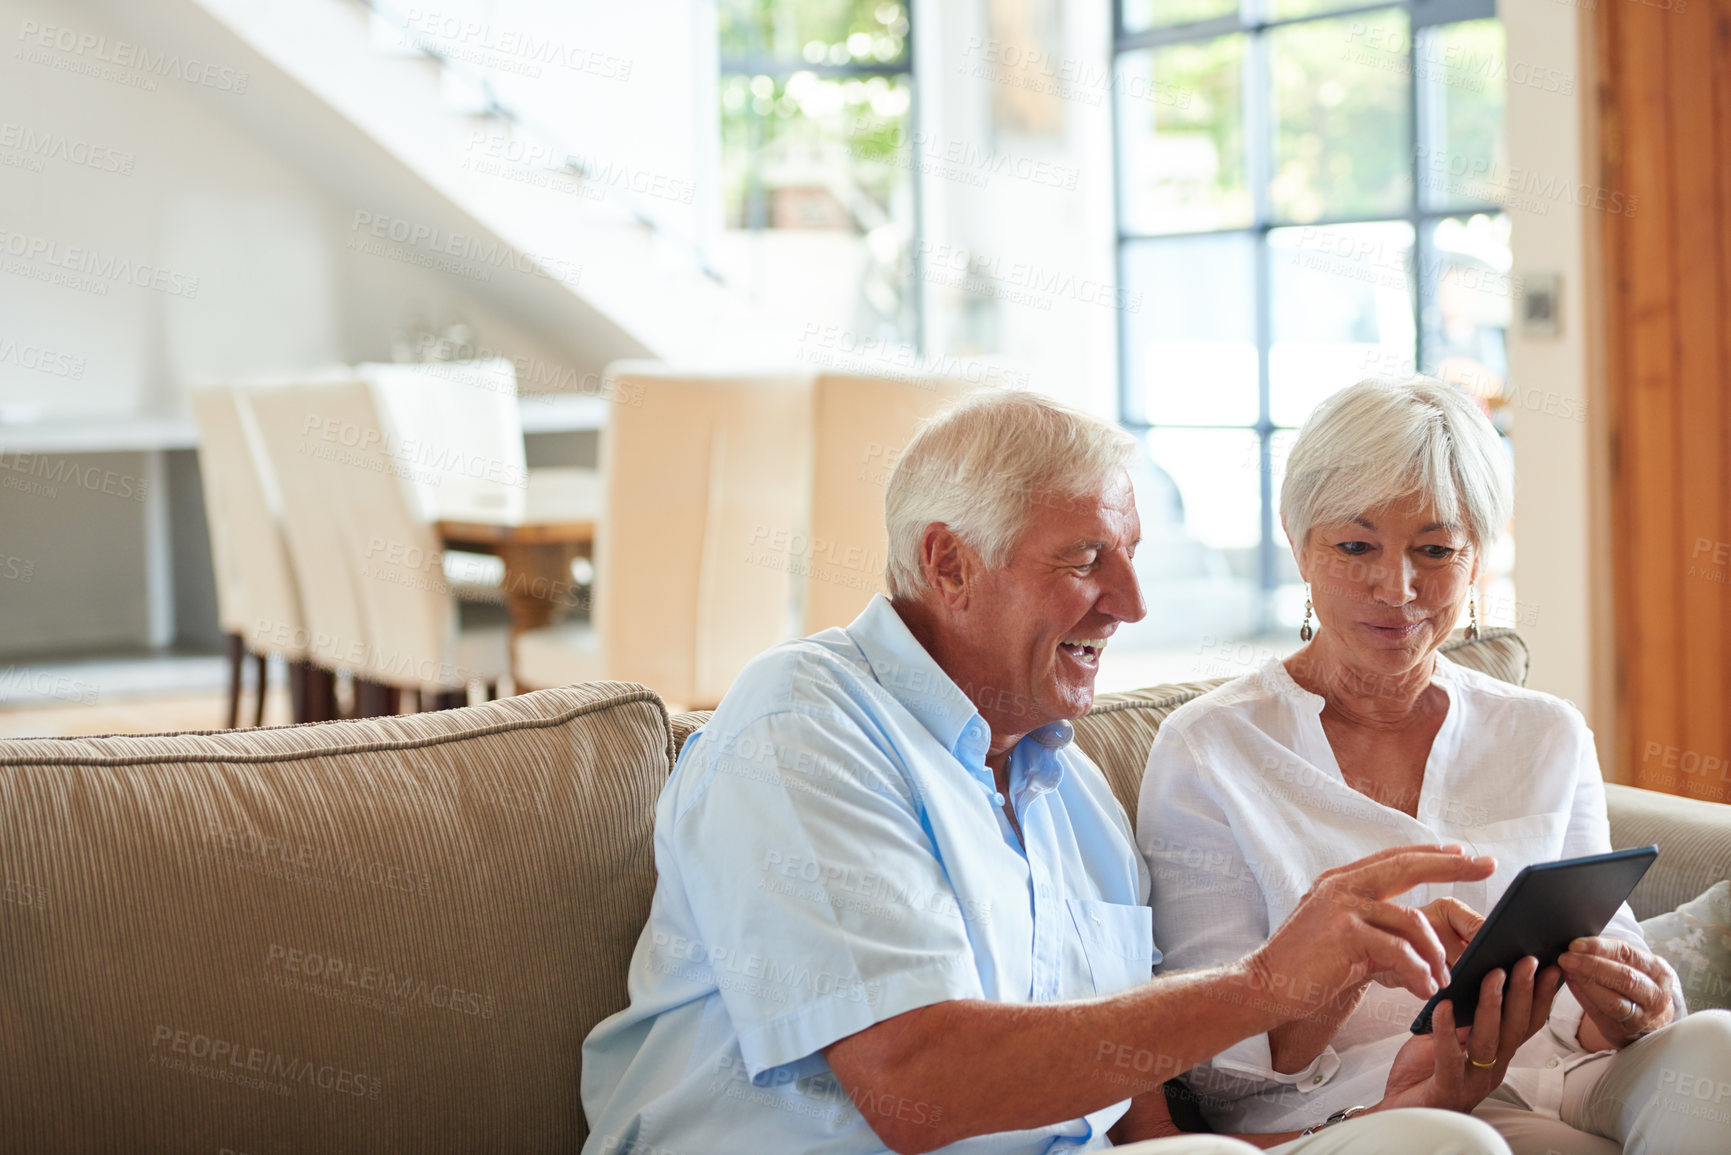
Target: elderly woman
point(1369, 738)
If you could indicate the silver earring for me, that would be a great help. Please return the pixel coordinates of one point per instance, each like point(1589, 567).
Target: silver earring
point(1472, 615)
point(1305, 633)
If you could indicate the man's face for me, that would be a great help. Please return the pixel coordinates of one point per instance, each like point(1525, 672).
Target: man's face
point(1041, 622)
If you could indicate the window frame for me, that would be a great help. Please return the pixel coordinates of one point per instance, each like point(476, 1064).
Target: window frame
point(780, 68)
point(1260, 144)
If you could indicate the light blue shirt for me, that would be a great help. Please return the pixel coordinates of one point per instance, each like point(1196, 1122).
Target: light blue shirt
point(832, 852)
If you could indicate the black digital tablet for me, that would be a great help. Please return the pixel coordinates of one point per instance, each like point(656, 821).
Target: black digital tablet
point(1547, 906)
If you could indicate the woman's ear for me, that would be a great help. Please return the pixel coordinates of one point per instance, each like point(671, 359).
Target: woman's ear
point(1297, 552)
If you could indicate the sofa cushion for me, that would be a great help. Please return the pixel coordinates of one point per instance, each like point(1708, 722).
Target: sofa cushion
point(1119, 731)
point(386, 934)
point(1694, 838)
point(1696, 940)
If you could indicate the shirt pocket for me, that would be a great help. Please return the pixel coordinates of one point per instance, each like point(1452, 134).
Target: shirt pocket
point(1117, 940)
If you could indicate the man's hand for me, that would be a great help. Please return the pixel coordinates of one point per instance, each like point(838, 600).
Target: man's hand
point(1453, 922)
point(1455, 1068)
point(1623, 990)
point(1345, 930)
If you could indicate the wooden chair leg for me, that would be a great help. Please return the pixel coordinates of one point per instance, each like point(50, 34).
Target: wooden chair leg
point(321, 694)
point(298, 673)
point(492, 691)
point(263, 688)
point(236, 655)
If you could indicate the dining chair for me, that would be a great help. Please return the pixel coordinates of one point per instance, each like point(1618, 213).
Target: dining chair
point(257, 598)
point(861, 424)
point(706, 481)
point(304, 448)
point(408, 609)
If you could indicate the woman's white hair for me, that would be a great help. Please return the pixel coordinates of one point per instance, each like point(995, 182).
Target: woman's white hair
point(1385, 440)
point(980, 467)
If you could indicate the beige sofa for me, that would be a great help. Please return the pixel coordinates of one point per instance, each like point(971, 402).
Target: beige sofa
point(394, 933)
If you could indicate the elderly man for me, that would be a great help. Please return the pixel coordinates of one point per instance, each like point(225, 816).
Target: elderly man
point(897, 908)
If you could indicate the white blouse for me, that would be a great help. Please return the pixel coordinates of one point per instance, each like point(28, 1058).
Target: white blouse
point(1243, 805)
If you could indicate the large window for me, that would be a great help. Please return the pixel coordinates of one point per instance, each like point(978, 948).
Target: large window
point(1307, 195)
point(820, 201)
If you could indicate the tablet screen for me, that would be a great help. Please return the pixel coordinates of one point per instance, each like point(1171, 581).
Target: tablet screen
point(1547, 906)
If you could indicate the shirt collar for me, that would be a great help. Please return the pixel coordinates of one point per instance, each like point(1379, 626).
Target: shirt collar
point(902, 666)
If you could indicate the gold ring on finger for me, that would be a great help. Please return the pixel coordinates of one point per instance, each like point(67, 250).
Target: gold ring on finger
point(1481, 1066)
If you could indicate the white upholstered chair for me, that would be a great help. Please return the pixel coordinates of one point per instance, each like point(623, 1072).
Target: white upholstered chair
point(706, 481)
point(257, 598)
point(861, 425)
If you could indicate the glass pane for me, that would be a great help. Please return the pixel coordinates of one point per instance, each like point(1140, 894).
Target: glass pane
point(817, 197)
point(1218, 475)
point(1463, 150)
point(1285, 9)
point(1197, 495)
point(815, 31)
point(1181, 109)
point(1467, 303)
point(1342, 311)
point(1192, 345)
point(1140, 15)
point(1342, 142)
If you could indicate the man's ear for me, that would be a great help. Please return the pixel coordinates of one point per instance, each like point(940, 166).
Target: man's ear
point(946, 564)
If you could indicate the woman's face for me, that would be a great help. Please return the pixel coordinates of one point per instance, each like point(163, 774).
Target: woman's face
point(1388, 586)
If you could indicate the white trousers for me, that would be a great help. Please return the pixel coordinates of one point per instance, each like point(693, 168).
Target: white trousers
point(1667, 1094)
point(1407, 1132)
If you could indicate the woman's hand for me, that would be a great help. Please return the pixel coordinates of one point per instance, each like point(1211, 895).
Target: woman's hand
point(1454, 1068)
point(1624, 991)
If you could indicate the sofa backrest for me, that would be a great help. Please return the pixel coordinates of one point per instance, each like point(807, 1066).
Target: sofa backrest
point(387, 934)
point(1119, 731)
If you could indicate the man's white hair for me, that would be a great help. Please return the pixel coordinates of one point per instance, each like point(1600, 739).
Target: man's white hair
point(1385, 440)
point(980, 467)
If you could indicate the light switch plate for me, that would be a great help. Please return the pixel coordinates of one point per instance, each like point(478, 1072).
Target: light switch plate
point(1541, 304)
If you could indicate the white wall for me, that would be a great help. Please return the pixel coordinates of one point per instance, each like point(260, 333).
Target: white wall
point(1559, 431)
point(1041, 225)
point(172, 180)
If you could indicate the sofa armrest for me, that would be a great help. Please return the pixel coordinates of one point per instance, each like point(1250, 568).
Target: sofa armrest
point(1694, 840)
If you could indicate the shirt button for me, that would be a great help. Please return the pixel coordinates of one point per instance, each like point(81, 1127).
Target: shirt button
point(1552, 1063)
point(997, 799)
point(1317, 1079)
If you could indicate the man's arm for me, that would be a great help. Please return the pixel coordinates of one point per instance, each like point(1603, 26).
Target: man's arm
point(993, 1067)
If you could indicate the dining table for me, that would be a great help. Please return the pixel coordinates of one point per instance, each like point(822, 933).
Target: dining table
point(538, 539)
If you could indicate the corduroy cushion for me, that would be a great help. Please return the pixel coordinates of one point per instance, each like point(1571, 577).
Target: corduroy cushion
point(1694, 838)
point(1119, 731)
point(389, 934)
